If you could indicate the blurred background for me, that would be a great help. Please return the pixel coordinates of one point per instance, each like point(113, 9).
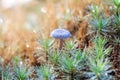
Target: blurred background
point(22, 22)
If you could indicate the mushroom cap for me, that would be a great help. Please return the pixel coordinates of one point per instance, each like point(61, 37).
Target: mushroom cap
point(60, 34)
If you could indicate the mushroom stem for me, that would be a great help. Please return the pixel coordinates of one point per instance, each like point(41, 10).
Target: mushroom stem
point(60, 43)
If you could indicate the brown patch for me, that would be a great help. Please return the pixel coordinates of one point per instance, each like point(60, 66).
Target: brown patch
point(73, 27)
point(82, 35)
point(115, 58)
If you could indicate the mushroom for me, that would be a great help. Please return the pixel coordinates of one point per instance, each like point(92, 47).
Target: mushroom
point(60, 35)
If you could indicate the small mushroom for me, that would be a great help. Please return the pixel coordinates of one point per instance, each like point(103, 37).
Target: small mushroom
point(60, 34)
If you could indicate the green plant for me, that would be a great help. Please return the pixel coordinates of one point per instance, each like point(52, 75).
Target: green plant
point(117, 21)
point(16, 60)
point(99, 50)
point(99, 21)
point(45, 72)
point(6, 74)
point(73, 63)
point(69, 45)
point(95, 10)
point(67, 63)
point(45, 44)
point(54, 56)
point(117, 40)
point(117, 5)
point(99, 68)
point(98, 62)
point(21, 72)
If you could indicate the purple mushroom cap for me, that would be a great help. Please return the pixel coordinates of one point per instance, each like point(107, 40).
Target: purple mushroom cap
point(60, 34)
